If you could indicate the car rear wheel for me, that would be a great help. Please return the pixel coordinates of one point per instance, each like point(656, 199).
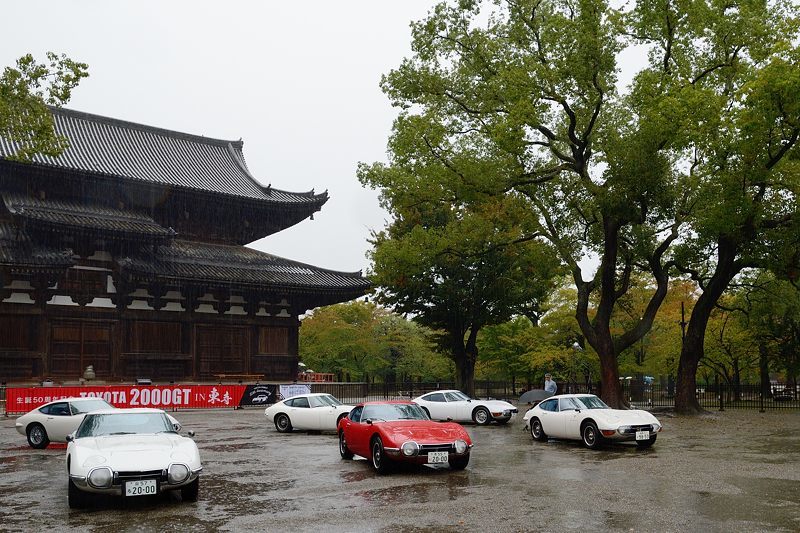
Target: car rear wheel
point(537, 432)
point(481, 416)
point(37, 436)
point(75, 496)
point(344, 451)
point(646, 443)
point(591, 436)
point(189, 492)
point(282, 423)
point(380, 462)
point(459, 463)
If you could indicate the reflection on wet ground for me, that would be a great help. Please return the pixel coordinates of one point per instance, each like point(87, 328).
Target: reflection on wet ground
point(728, 471)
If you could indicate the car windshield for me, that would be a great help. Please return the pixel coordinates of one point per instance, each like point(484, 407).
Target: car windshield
point(86, 406)
point(457, 395)
point(95, 425)
point(592, 402)
point(393, 411)
point(327, 399)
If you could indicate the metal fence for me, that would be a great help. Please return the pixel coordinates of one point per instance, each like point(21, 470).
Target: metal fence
point(640, 396)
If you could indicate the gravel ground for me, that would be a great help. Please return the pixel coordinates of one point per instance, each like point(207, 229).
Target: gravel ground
point(728, 471)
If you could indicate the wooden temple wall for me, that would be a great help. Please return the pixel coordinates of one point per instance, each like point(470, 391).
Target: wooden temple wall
point(59, 341)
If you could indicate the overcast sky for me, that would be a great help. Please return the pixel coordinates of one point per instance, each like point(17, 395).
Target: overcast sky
point(296, 80)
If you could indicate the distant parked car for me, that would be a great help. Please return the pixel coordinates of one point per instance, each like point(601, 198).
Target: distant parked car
point(315, 411)
point(586, 417)
point(399, 431)
point(130, 453)
point(53, 421)
point(457, 406)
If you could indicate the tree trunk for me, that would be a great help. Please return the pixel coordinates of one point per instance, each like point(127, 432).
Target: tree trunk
point(693, 344)
point(465, 355)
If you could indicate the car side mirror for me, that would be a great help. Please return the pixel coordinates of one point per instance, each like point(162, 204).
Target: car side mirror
point(369, 421)
point(190, 433)
point(176, 427)
point(70, 438)
point(449, 419)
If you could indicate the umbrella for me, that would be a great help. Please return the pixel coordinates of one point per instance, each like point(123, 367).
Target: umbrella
point(534, 396)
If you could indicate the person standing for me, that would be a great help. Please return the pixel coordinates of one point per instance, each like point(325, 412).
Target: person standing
point(550, 385)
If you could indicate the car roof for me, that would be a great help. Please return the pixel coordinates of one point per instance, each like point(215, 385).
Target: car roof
point(580, 395)
point(442, 390)
point(135, 410)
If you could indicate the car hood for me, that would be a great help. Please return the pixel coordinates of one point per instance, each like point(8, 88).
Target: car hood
point(423, 431)
point(495, 405)
point(136, 452)
point(622, 416)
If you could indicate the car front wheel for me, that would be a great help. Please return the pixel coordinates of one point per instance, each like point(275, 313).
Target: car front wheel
point(75, 496)
point(282, 423)
point(646, 443)
point(481, 416)
point(189, 492)
point(37, 436)
point(537, 432)
point(380, 462)
point(344, 451)
point(591, 436)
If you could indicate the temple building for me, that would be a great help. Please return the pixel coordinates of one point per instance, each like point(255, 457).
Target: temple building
point(127, 253)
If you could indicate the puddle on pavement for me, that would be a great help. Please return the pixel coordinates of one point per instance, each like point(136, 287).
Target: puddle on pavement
point(754, 505)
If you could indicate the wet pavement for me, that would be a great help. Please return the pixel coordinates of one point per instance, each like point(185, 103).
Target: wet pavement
point(730, 471)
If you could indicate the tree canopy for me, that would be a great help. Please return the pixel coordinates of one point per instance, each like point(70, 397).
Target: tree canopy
point(518, 102)
point(25, 93)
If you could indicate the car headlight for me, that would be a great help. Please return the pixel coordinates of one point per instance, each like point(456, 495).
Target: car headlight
point(624, 429)
point(177, 473)
point(410, 448)
point(655, 427)
point(461, 446)
point(100, 478)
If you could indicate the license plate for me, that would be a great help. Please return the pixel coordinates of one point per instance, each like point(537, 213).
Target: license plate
point(642, 435)
point(142, 487)
point(437, 457)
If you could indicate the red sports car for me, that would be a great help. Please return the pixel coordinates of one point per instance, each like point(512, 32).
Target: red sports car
point(390, 432)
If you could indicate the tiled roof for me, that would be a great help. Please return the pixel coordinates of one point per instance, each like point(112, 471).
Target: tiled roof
point(60, 214)
point(17, 250)
point(212, 263)
point(108, 146)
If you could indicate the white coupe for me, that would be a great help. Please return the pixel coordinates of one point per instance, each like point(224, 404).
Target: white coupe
point(130, 453)
point(316, 411)
point(586, 417)
point(55, 420)
point(457, 406)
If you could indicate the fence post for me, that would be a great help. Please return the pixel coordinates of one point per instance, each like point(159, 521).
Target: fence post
point(719, 391)
point(761, 401)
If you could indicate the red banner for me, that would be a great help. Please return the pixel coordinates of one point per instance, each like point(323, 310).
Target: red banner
point(22, 400)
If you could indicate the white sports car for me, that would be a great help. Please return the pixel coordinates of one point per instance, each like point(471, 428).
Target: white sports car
point(316, 411)
point(129, 453)
point(53, 421)
point(586, 417)
point(457, 406)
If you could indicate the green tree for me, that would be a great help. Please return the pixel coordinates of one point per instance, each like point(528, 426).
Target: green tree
point(521, 104)
point(25, 93)
point(450, 264)
point(362, 340)
point(731, 70)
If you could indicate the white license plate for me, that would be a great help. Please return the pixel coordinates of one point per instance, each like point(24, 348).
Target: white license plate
point(142, 487)
point(642, 435)
point(437, 457)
